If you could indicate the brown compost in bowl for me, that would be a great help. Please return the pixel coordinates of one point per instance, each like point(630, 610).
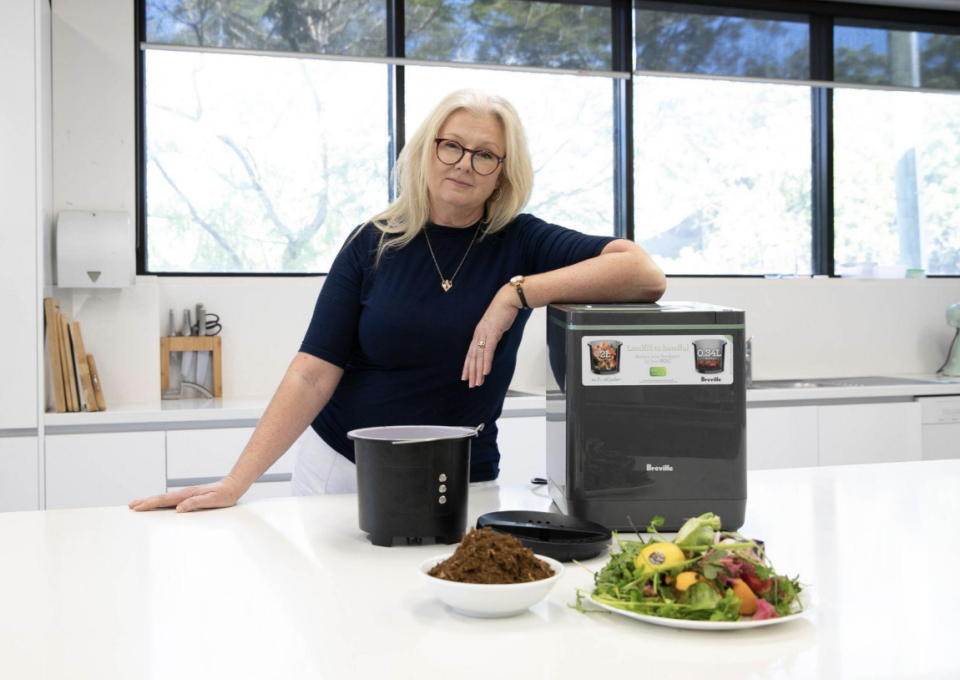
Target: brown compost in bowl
point(485, 556)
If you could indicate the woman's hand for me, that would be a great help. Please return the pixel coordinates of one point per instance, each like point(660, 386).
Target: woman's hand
point(220, 494)
point(498, 318)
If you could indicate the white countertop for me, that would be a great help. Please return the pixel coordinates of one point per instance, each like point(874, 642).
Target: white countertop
point(936, 387)
point(221, 409)
point(291, 588)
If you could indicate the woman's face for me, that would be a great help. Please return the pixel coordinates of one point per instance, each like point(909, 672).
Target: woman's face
point(457, 192)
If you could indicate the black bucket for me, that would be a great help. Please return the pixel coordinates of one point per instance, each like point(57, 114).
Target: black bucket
point(412, 481)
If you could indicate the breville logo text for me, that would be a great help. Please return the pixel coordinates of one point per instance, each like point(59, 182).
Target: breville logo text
point(702, 379)
point(659, 468)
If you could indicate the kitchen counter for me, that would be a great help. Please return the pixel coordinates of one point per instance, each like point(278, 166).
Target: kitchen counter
point(931, 387)
point(234, 412)
point(216, 412)
point(291, 588)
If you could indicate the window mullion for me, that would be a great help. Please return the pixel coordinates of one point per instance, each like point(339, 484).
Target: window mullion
point(622, 53)
point(396, 88)
point(821, 68)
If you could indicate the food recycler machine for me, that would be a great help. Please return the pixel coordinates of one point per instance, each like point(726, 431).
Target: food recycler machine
point(646, 412)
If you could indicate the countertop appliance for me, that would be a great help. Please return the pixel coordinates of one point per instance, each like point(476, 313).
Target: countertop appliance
point(412, 482)
point(951, 367)
point(646, 413)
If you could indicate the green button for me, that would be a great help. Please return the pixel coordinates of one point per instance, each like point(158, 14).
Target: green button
point(658, 371)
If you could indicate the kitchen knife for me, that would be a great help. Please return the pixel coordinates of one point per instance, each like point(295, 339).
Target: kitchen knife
point(188, 369)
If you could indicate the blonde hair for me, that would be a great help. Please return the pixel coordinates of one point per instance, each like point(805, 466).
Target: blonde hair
point(409, 213)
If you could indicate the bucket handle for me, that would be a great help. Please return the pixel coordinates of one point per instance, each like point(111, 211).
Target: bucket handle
point(476, 431)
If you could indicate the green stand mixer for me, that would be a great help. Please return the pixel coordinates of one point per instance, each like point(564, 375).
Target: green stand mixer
point(951, 367)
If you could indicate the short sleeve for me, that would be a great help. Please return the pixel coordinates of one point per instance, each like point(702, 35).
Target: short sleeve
point(332, 334)
point(546, 246)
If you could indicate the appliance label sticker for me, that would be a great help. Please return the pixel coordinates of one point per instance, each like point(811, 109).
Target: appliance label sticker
point(658, 360)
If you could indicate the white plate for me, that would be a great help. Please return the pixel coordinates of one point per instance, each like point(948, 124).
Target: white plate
point(807, 598)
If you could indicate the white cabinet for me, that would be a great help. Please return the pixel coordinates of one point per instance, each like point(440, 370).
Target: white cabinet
point(21, 82)
point(523, 448)
point(869, 433)
point(841, 434)
point(95, 470)
point(941, 427)
point(211, 454)
point(782, 437)
point(19, 474)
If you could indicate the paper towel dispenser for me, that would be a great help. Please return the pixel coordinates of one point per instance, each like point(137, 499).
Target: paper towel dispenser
point(94, 250)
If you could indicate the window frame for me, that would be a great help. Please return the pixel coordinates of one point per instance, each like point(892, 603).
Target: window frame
point(821, 18)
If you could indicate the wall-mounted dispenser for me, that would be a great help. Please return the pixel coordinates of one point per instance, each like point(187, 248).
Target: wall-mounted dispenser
point(94, 250)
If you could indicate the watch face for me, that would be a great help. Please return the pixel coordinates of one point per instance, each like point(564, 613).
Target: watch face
point(516, 279)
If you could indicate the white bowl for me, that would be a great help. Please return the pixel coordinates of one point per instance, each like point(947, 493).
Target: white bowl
point(487, 600)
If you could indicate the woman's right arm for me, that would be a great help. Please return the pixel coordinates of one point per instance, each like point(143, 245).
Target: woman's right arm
point(303, 392)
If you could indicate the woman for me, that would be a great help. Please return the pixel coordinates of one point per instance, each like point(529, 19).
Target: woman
point(420, 317)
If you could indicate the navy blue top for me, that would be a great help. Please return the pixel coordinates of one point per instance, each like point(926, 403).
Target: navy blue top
point(402, 340)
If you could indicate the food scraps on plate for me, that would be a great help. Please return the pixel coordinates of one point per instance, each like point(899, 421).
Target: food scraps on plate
point(703, 574)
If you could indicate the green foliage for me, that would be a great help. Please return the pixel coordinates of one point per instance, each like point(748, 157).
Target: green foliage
point(510, 32)
point(354, 27)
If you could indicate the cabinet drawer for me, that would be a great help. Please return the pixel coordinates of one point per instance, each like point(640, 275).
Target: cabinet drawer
point(869, 433)
point(19, 474)
point(193, 454)
point(96, 470)
point(523, 449)
point(781, 437)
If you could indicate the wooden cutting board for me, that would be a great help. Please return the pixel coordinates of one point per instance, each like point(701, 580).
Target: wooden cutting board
point(69, 371)
point(51, 309)
point(97, 388)
point(88, 399)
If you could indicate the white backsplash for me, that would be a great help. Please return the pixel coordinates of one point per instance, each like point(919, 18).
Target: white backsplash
point(803, 328)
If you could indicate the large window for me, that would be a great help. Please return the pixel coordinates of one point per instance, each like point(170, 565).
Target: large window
point(259, 165)
point(897, 180)
point(723, 176)
point(569, 126)
point(897, 158)
point(725, 139)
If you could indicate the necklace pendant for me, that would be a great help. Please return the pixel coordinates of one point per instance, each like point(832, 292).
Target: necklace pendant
point(447, 285)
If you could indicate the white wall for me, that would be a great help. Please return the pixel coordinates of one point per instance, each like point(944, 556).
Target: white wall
point(803, 328)
point(834, 328)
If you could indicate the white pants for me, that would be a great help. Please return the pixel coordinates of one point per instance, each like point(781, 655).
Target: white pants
point(320, 470)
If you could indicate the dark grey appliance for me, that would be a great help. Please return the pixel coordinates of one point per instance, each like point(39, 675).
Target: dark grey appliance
point(412, 482)
point(646, 412)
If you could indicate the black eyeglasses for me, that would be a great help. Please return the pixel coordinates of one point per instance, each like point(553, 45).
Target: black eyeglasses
point(482, 161)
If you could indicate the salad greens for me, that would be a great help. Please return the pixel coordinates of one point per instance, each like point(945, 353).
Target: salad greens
point(704, 574)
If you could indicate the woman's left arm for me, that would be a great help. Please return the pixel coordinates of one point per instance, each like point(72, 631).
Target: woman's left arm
point(622, 272)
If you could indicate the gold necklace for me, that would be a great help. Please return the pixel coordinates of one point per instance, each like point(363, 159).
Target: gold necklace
point(447, 284)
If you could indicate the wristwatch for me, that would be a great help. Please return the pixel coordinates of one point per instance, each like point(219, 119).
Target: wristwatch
point(517, 282)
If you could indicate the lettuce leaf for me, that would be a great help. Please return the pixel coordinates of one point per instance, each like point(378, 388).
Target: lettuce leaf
point(698, 531)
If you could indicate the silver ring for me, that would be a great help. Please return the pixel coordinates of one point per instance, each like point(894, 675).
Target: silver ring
point(481, 343)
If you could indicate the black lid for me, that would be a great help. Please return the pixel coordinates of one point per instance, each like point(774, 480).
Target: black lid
point(550, 534)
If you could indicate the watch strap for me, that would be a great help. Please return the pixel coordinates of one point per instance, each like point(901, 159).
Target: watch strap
point(523, 300)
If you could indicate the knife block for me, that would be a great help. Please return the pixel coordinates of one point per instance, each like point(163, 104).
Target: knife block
point(191, 344)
